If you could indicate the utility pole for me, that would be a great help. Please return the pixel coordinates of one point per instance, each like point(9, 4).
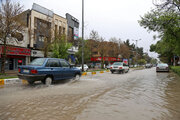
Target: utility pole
point(136, 47)
point(82, 35)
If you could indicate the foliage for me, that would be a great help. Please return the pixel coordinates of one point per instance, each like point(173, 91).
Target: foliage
point(141, 61)
point(87, 53)
point(176, 69)
point(11, 22)
point(166, 23)
point(60, 48)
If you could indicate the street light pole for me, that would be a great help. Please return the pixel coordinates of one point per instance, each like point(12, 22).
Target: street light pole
point(82, 35)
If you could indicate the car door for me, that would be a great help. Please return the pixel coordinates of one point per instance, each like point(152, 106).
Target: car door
point(67, 70)
point(54, 68)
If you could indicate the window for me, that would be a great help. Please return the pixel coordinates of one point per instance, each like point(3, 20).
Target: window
point(53, 63)
point(64, 63)
point(38, 61)
point(41, 38)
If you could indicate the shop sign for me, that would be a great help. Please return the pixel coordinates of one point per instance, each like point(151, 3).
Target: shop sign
point(16, 51)
point(125, 61)
point(19, 61)
point(37, 53)
point(105, 59)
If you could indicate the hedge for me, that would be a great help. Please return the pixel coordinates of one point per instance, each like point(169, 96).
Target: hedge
point(176, 69)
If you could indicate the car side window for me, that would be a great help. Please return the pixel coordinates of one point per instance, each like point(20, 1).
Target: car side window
point(53, 63)
point(64, 63)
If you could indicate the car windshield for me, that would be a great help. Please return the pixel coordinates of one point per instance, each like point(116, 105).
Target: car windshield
point(118, 63)
point(38, 61)
point(164, 65)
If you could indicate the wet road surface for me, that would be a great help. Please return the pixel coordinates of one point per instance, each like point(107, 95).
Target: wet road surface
point(137, 95)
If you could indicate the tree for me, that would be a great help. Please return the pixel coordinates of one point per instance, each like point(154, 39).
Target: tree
point(87, 52)
point(125, 51)
point(11, 22)
point(141, 61)
point(165, 21)
point(60, 48)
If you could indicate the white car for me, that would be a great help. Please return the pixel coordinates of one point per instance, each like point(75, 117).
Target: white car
point(85, 67)
point(120, 67)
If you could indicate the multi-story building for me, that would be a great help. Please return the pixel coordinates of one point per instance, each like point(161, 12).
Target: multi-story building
point(42, 25)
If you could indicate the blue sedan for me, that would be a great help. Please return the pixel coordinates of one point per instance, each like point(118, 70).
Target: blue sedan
point(48, 70)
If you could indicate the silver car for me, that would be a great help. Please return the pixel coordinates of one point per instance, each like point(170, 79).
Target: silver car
point(120, 67)
point(162, 67)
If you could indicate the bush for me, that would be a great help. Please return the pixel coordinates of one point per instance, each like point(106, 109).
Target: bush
point(176, 69)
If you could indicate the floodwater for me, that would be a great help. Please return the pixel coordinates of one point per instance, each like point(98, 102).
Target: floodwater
point(137, 95)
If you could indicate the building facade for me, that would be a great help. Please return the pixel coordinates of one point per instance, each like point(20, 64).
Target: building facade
point(42, 25)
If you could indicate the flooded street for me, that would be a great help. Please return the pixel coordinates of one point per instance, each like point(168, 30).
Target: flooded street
point(137, 95)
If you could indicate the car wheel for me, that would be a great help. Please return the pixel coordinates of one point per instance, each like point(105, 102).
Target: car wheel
point(77, 77)
point(48, 81)
point(112, 71)
point(31, 82)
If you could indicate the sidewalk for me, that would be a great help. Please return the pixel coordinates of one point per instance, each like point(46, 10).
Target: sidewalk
point(9, 74)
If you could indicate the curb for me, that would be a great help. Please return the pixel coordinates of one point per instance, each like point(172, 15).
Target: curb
point(11, 81)
point(94, 73)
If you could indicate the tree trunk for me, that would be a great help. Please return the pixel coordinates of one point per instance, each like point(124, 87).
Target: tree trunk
point(3, 57)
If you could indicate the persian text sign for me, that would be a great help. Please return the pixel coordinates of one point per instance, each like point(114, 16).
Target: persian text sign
point(16, 51)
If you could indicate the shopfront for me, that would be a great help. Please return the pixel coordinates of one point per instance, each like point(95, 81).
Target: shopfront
point(107, 60)
point(15, 56)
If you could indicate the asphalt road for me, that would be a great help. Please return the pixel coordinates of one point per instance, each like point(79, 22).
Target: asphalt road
point(137, 95)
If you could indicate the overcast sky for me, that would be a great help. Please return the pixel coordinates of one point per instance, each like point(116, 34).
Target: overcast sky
point(111, 18)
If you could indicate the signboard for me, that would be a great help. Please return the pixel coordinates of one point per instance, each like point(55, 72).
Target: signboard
point(125, 61)
point(16, 51)
point(105, 59)
point(76, 33)
point(37, 53)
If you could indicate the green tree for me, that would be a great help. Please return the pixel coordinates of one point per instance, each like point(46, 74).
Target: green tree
point(60, 48)
point(167, 24)
point(141, 61)
point(87, 53)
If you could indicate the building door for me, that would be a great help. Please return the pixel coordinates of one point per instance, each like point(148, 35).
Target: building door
point(11, 63)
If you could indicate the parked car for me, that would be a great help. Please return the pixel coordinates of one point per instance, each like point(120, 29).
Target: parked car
point(162, 67)
point(48, 70)
point(148, 66)
point(85, 67)
point(119, 67)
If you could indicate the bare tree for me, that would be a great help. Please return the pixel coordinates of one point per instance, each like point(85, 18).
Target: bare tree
point(11, 22)
point(167, 4)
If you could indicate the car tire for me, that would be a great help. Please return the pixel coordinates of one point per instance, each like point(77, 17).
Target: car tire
point(31, 82)
point(76, 77)
point(48, 81)
point(112, 71)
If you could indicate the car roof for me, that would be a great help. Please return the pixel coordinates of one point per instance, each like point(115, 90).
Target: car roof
point(55, 58)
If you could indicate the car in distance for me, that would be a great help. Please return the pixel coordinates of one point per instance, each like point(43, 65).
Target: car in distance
point(119, 67)
point(47, 70)
point(85, 67)
point(162, 67)
point(148, 66)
